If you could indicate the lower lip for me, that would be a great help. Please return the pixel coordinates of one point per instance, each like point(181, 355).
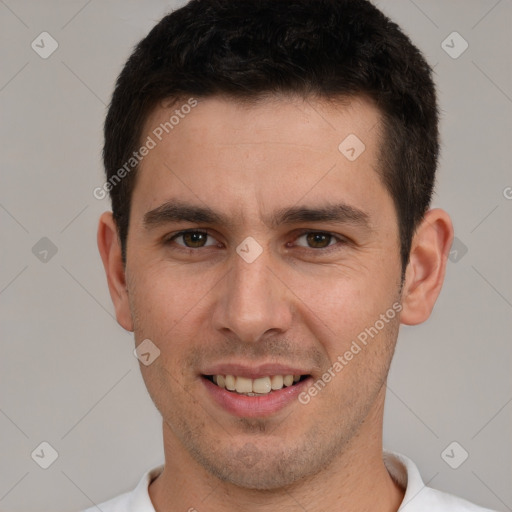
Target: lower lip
point(254, 406)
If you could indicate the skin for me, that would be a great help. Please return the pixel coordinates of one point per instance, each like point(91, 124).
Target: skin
point(296, 304)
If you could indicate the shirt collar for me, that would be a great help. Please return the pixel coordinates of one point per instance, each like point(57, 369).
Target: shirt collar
point(406, 474)
point(401, 469)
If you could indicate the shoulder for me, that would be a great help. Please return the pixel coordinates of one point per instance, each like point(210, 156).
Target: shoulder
point(441, 501)
point(137, 500)
point(418, 497)
point(117, 504)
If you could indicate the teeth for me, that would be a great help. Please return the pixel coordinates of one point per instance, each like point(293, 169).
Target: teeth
point(277, 381)
point(254, 387)
point(261, 385)
point(288, 380)
point(243, 385)
point(230, 382)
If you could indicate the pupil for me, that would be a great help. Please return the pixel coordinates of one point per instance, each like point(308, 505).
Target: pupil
point(194, 239)
point(318, 238)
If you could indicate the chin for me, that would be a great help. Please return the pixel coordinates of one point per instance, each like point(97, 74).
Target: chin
point(252, 467)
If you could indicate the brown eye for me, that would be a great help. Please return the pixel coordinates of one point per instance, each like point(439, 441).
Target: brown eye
point(318, 240)
point(193, 239)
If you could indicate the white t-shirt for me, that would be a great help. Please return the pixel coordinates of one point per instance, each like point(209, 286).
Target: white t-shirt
point(417, 498)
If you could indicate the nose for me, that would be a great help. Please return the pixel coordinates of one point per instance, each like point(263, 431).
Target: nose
point(253, 302)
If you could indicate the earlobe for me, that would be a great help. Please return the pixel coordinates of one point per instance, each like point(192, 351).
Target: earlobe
point(110, 251)
point(427, 265)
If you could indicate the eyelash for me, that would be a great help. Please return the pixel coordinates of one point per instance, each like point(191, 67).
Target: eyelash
point(329, 248)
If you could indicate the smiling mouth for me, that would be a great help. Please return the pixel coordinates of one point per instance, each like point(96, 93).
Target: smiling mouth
point(255, 387)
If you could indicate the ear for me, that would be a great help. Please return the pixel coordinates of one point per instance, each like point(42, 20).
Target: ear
point(427, 265)
point(110, 251)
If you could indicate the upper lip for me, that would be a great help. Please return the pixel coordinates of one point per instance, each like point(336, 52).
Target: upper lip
point(253, 371)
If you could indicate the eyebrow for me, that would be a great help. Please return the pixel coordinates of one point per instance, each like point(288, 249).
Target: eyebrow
point(178, 211)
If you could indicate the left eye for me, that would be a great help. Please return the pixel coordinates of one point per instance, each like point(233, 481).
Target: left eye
point(194, 239)
point(317, 240)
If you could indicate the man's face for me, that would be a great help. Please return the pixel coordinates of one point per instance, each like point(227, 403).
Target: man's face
point(292, 309)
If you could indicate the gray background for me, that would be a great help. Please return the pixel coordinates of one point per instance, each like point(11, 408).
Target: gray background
point(67, 372)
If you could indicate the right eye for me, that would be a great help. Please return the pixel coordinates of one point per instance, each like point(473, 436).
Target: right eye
point(193, 239)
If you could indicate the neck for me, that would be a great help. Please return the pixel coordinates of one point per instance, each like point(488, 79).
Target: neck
point(355, 481)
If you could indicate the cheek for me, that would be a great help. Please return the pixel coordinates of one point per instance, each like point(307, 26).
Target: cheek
point(342, 306)
point(164, 296)
point(357, 327)
point(172, 310)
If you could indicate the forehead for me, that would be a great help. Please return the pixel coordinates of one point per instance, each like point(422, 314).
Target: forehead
point(220, 119)
point(237, 156)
